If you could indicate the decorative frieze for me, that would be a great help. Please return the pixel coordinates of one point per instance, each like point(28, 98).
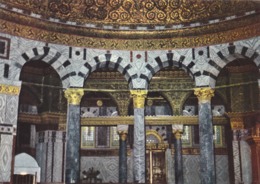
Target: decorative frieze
point(9, 90)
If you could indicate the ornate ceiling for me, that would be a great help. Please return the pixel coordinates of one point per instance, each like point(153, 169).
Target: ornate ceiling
point(160, 24)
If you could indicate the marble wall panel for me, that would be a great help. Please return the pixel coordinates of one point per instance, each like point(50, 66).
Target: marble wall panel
point(246, 162)
point(222, 172)
point(6, 146)
point(2, 108)
point(108, 167)
point(50, 149)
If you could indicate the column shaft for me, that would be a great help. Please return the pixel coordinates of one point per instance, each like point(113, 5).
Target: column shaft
point(73, 144)
point(207, 162)
point(72, 172)
point(122, 160)
point(236, 158)
point(139, 135)
point(178, 161)
point(139, 146)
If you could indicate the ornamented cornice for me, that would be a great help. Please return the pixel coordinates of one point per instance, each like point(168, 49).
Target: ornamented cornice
point(204, 94)
point(49, 32)
point(139, 97)
point(74, 95)
point(55, 118)
point(9, 90)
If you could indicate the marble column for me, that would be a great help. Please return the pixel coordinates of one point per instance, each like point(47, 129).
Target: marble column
point(122, 131)
point(139, 135)
point(9, 100)
point(72, 172)
point(177, 132)
point(207, 163)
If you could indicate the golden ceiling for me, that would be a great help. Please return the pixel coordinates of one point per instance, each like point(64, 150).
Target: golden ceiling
point(135, 24)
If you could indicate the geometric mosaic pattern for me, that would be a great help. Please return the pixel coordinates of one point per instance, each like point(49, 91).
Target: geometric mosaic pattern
point(108, 167)
point(222, 173)
point(191, 171)
point(11, 109)
point(2, 108)
point(5, 157)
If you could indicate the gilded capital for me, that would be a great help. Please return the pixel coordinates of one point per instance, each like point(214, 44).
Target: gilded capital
point(74, 95)
point(139, 97)
point(204, 94)
point(9, 90)
point(178, 134)
point(177, 130)
point(122, 135)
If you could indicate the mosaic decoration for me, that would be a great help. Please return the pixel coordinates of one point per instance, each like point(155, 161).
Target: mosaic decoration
point(129, 44)
point(132, 11)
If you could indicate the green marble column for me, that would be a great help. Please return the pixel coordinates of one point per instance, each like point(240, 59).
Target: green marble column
point(207, 161)
point(72, 170)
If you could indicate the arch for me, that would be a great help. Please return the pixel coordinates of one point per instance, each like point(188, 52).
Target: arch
point(52, 57)
point(155, 134)
point(109, 60)
point(26, 164)
point(227, 55)
point(169, 60)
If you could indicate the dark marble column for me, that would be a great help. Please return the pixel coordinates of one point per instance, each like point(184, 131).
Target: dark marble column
point(72, 172)
point(177, 131)
point(139, 135)
point(122, 131)
point(207, 163)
